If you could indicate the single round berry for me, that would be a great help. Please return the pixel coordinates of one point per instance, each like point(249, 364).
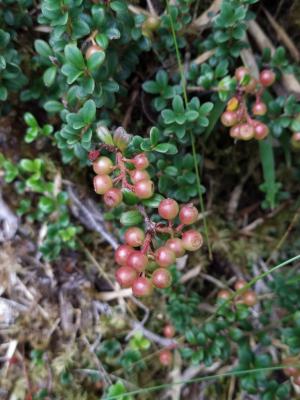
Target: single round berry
point(192, 240)
point(141, 161)
point(261, 130)
point(164, 257)
point(169, 331)
point(240, 284)
point(102, 183)
point(259, 108)
point(137, 260)
point(251, 86)
point(142, 287)
point(122, 253)
point(161, 278)
point(113, 197)
point(166, 357)
point(144, 189)
point(246, 131)
point(235, 131)
point(138, 175)
point(134, 236)
point(289, 370)
point(103, 166)
point(168, 209)
point(229, 118)
point(267, 77)
point(93, 49)
point(176, 246)
point(188, 214)
point(125, 276)
point(224, 294)
point(240, 73)
point(249, 298)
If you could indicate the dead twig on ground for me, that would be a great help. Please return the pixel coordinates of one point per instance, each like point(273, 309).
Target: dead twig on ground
point(8, 221)
point(89, 215)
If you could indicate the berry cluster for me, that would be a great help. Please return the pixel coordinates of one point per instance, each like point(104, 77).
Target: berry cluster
point(242, 125)
point(165, 355)
point(248, 297)
point(137, 255)
point(290, 370)
point(139, 183)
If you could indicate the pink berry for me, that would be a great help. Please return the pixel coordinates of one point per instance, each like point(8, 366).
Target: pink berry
point(188, 214)
point(296, 136)
point(92, 50)
point(192, 240)
point(113, 197)
point(267, 77)
point(240, 73)
point(240, 284)
point(165, 357)
point(164, 257)
point(176, 246)
point(161, 278)
point(122, 253)
point(168, 209)
point(134, 237)
point(261, 130)
point(144, 189)
point(246, 131)
point(125, 276)
point(259, 108)
point(142, 287)
point(102, 183)
point(229, 118)
point(249, 298)
point(169, 331)
point(224, 294)
point(103, 166)
point(141, 161)
point(235, 131)
point(137, 260)
point(295, 140)
point(138, 175)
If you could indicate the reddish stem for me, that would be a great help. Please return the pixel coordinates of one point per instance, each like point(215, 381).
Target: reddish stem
point(179, 228)
point(147, 242)
point(123, 172)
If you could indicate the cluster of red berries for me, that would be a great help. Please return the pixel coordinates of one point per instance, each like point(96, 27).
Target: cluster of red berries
point(136, 263)
point(242, 125)
point(292, 371)
point(248, 297)
point(166, 355)
point(140, 182)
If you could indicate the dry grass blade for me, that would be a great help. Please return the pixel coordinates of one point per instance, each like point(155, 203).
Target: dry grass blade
point(283, 36)
point(203, 57)
point(90, 216)
point(205, 18)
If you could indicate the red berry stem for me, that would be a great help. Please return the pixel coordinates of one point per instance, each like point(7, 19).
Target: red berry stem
point(123, 172)
point(179, 228)
point(147, 242)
